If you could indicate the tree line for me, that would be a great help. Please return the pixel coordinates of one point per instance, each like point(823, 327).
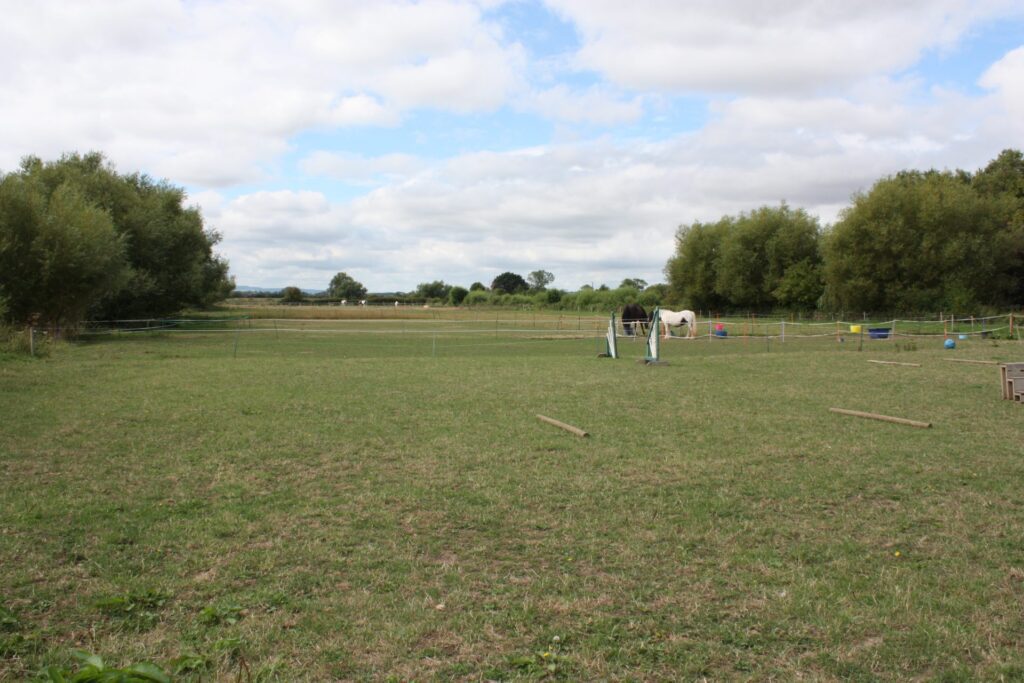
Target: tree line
point(507, 289)
point(79, 240)
point(915, 242)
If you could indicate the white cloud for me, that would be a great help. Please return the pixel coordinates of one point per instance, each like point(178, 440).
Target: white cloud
point(1006, 79)
point(604, 210)
point(209, 92)
point(360, 170)
point(593, 105)
point(813, 102)
point(361, 110)
point(763, 47)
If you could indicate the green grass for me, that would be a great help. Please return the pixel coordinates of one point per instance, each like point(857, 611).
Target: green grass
point(362, 502)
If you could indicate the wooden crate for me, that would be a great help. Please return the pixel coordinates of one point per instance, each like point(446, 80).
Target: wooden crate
point(1011, 379)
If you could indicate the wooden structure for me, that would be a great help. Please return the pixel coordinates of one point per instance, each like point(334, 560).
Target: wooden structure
point(1011, 377)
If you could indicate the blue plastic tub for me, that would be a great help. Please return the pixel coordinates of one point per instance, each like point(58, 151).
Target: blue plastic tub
point(879, 332)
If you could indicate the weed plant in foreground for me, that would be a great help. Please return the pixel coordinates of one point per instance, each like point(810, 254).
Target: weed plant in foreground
point(307, 506)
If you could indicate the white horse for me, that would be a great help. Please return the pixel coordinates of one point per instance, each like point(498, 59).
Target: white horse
point(667, 319)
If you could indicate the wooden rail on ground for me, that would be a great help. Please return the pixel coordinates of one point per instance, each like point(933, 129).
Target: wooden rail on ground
point(975, 362)
point(884, 418)
point(892, 362)
point(567, 427)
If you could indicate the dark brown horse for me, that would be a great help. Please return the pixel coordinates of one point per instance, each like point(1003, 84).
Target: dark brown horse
point(634, 314)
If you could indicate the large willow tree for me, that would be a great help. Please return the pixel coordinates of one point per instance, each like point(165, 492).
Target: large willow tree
point(768, 258)
point(925, 241)
point(107, 245)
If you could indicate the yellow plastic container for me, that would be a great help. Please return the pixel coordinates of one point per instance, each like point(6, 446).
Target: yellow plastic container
point(854, 329)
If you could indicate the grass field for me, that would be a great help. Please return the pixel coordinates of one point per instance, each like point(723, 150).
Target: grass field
point(379, 500)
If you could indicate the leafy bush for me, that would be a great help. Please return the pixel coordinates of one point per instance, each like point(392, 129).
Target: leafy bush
point(215, 615)
point(477, 297)
point(25, 341)
point(138, 611)
point(95, 670)
point(550, 296)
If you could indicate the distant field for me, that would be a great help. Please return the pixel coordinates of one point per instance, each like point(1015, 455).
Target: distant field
point(752, 325)
point(373, 499)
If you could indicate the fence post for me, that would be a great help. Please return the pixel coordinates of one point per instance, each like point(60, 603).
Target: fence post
point(31, 341)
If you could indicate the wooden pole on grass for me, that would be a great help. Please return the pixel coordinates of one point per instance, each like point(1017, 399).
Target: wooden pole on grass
point(975, 362)
point(892, 362)
point(883, 418)
point(567, 427)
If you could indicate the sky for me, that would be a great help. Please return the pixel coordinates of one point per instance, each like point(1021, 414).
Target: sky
point(407, 142)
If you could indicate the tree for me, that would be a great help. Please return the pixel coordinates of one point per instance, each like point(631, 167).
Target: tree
point(292, 295)
point(635, 283)
point(510, 283)
point(758, 251)
point(539, 279)
point(1004, 178)
point(1002, 175)
point(761, 260)
point(456, 295)
point(550, 296)
point(343, 286)
point(169, 259)
point(433, 290)
point(693, 271)
point(921, 242)
point(58, 252)
point(477, 287)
